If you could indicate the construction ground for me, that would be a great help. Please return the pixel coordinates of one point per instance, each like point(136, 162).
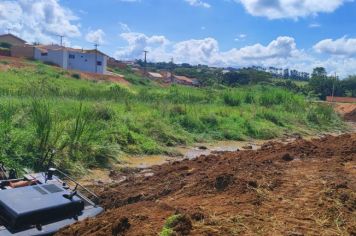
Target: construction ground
point(302, 187)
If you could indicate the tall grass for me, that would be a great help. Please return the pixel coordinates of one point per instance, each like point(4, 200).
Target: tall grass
point(88, 123)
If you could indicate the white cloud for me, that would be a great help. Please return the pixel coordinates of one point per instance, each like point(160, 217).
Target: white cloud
point(38, 20)
point(138, 42)
point(198, 3)
point(241, 37)
point(124, 27)
point(281, 52)
point(277, 9)
point(314, 25)
point(282, 47)
point(341, 47)
point(204, 51)
point(95, 36)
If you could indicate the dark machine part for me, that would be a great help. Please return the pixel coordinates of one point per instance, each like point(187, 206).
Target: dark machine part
point(5, 174)
point(50, 173)
point(45, 206)
point(12, 174)
point(35, 205)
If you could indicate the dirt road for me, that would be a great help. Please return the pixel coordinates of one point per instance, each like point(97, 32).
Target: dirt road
point(302, 188)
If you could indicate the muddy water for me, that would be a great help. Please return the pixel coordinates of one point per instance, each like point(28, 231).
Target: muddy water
point(190, 152)
point(144, 162)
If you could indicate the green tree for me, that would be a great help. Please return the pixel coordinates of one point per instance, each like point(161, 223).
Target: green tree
point(324, 85)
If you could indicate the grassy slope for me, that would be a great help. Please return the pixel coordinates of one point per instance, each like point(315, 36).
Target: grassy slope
point(43, 108)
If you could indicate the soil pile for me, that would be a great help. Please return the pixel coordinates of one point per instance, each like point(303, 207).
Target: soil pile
point(302, 188)
point(347, 110)
point(351, 116)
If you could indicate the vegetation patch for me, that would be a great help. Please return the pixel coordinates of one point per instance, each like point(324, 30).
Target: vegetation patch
point(49, 117)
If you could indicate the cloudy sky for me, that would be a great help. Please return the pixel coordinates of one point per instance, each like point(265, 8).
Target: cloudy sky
point(299, 34)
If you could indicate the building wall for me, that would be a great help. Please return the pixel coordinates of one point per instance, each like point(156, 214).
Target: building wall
point(87, 62)
point(73, 60)
point(25, 51)
point(11, 40)
point(58, 57)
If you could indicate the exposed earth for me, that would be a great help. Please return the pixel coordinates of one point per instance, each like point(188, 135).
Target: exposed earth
point(300, 188)
point(347, 110)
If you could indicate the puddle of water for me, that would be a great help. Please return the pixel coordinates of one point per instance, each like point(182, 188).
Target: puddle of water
point(143, 162)
point(96, 175)
point(220, 146)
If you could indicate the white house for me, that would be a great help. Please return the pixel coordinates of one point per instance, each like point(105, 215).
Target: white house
point(92, 61)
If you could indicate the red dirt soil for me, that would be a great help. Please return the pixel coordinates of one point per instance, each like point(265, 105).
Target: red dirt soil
point(347, 110)
point(301, 188)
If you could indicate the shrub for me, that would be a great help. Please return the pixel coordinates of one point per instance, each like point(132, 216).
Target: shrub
point(232, 99)
point(250, 98)
point(183, 221)
point(103, 112)
point(273, 97)
point(210, 120)
point(191, 123)
point(271, 116)
point(321, 115)
point(177, 110)
point(76, 76)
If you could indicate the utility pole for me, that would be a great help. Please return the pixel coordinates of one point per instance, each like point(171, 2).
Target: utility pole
point(333, 91)
point(61, 40)
point(96, 45)
point(145, 71)
point(172, 70)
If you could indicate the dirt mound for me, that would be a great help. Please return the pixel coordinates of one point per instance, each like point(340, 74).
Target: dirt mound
point(351, 116)
point(347, 110)
point(301, 188)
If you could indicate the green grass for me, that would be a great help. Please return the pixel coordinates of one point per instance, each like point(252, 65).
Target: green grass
point(169, 224)
point(88, 123)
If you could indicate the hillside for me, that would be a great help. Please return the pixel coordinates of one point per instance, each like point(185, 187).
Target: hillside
point(49, 115)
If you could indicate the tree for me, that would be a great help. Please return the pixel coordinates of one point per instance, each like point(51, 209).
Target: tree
point(324, 85)
point(319, 72)
point(349, 85)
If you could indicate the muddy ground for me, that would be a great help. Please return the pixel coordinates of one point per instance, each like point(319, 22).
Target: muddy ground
point(301, 188)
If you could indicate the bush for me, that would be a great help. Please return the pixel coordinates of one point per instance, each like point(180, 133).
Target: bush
point(210, 120)
point(250, 98)
point(271, 116)
point(177, 110)
point(321, 115)
point(76, 76)
point(232, 99)
point(191, 123)
point(272, 98)
point(103, 112)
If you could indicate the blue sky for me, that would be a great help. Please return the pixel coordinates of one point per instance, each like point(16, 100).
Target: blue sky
point(283, 33)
